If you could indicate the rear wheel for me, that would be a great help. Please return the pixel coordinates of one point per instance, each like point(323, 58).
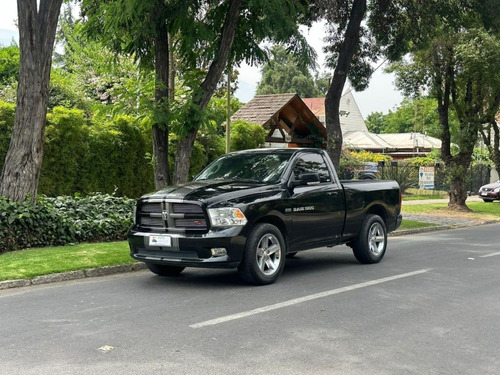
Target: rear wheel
point(264, 256)
point(371, 243)
point(163, 270)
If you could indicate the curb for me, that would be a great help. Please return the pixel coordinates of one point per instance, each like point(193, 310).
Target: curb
point(72, 275)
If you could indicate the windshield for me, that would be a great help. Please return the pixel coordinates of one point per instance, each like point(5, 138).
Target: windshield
point(256, 167)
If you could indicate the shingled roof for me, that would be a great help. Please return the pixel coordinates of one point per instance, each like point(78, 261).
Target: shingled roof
point(262, 107)
point(286, 116)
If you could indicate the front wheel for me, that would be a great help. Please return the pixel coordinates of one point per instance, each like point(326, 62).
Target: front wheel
point(264, 256)
point(371, 243)
point(163, 270)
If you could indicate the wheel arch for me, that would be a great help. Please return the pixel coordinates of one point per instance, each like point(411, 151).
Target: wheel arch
point(278, 223)
point(378, 210)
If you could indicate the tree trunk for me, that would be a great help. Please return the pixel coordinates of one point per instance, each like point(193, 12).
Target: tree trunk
point(160, 128)
point(334, 94)
point(458, 190)
point(23, 162)
point(185, 148)
point(495, 154)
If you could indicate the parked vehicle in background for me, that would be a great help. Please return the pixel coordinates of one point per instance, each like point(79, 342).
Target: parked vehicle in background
point(490, 192)
point(251, 209)
point(369, 171)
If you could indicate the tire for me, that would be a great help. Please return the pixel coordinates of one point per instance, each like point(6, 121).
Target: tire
point(163, 270)
point(369, 247)
point(264, 257)
point(488, 200)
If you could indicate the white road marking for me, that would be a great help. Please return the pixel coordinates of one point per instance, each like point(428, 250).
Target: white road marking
point(311, 297)
point(489, 255)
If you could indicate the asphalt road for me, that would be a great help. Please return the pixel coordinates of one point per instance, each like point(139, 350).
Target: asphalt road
point(432, 306)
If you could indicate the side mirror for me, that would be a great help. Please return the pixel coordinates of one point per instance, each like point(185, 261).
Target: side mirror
point(305, 179)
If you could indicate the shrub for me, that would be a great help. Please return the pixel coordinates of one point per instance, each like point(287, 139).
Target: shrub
point(6, 124)
point(63, 220)
point(246, 136)
point(65, 150)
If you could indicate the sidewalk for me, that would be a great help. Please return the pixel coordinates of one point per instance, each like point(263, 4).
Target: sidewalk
point(472, 198)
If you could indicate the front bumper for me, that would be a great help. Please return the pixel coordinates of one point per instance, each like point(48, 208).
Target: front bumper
point(190, 250)
point(489, 195)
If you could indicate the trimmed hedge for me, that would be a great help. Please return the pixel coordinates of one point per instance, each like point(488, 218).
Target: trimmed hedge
point(63, 220)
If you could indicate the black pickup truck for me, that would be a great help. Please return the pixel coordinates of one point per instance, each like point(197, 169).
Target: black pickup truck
point(252, 209)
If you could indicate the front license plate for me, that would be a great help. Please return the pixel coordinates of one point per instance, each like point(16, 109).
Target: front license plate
point(484, 194)
point(160, 241)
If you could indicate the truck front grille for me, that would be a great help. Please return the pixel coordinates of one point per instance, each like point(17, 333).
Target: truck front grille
point(172, 217)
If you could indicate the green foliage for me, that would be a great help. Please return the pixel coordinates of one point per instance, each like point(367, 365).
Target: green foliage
point(65, 152)
point(9, 73)
point(412, 115)
point(246, 136)
point(349, 164)
point(66, 91)
point(7, 111)
point(81, 156)
point(284, 74)
point(365, 156)
point(216, 114)
point(9, 64)
point(405, 175)
point(118, 160)
point(63, 220)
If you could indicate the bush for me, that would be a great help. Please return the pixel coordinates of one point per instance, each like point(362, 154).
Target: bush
point(63, 220)
point(246, 136)
point(65, 150)
point(7, 111)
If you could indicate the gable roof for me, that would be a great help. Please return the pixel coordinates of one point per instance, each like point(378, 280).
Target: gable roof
point(286, 116)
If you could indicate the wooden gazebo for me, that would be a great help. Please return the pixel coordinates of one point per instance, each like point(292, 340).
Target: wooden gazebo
point(286, 117)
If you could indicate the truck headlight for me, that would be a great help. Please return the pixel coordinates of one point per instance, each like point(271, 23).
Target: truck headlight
point(226, 216)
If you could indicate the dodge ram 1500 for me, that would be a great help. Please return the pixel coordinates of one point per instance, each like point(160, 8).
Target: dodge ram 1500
point(252, 209)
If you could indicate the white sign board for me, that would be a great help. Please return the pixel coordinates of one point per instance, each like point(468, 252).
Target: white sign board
point(426, 178)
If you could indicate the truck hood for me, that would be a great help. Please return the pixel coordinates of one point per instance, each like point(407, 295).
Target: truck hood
point(212, 191)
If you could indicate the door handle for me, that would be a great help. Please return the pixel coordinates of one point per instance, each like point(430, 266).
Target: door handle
point(332, 194)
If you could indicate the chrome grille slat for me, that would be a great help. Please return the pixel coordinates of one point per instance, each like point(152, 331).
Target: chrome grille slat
point(174, 217)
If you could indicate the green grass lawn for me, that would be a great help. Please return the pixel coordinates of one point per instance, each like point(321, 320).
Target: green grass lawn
point(412, 224)
point(479, 210)
point(26, 264)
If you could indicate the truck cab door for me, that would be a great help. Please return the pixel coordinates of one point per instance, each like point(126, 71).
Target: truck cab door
point(315, 206)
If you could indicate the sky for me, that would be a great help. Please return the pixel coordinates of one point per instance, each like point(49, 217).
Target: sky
point(380, 96)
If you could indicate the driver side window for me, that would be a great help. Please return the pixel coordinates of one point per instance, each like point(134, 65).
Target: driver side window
point(312, 163)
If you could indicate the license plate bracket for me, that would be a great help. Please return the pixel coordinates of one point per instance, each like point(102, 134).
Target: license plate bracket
point(159, 240)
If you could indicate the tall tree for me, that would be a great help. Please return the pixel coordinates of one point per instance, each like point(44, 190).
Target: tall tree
point(284, 73)
point(37, 30)
point(224, 39)
point(344, 40)
point(202, 96)
point(141, 28)
point(454, 62)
